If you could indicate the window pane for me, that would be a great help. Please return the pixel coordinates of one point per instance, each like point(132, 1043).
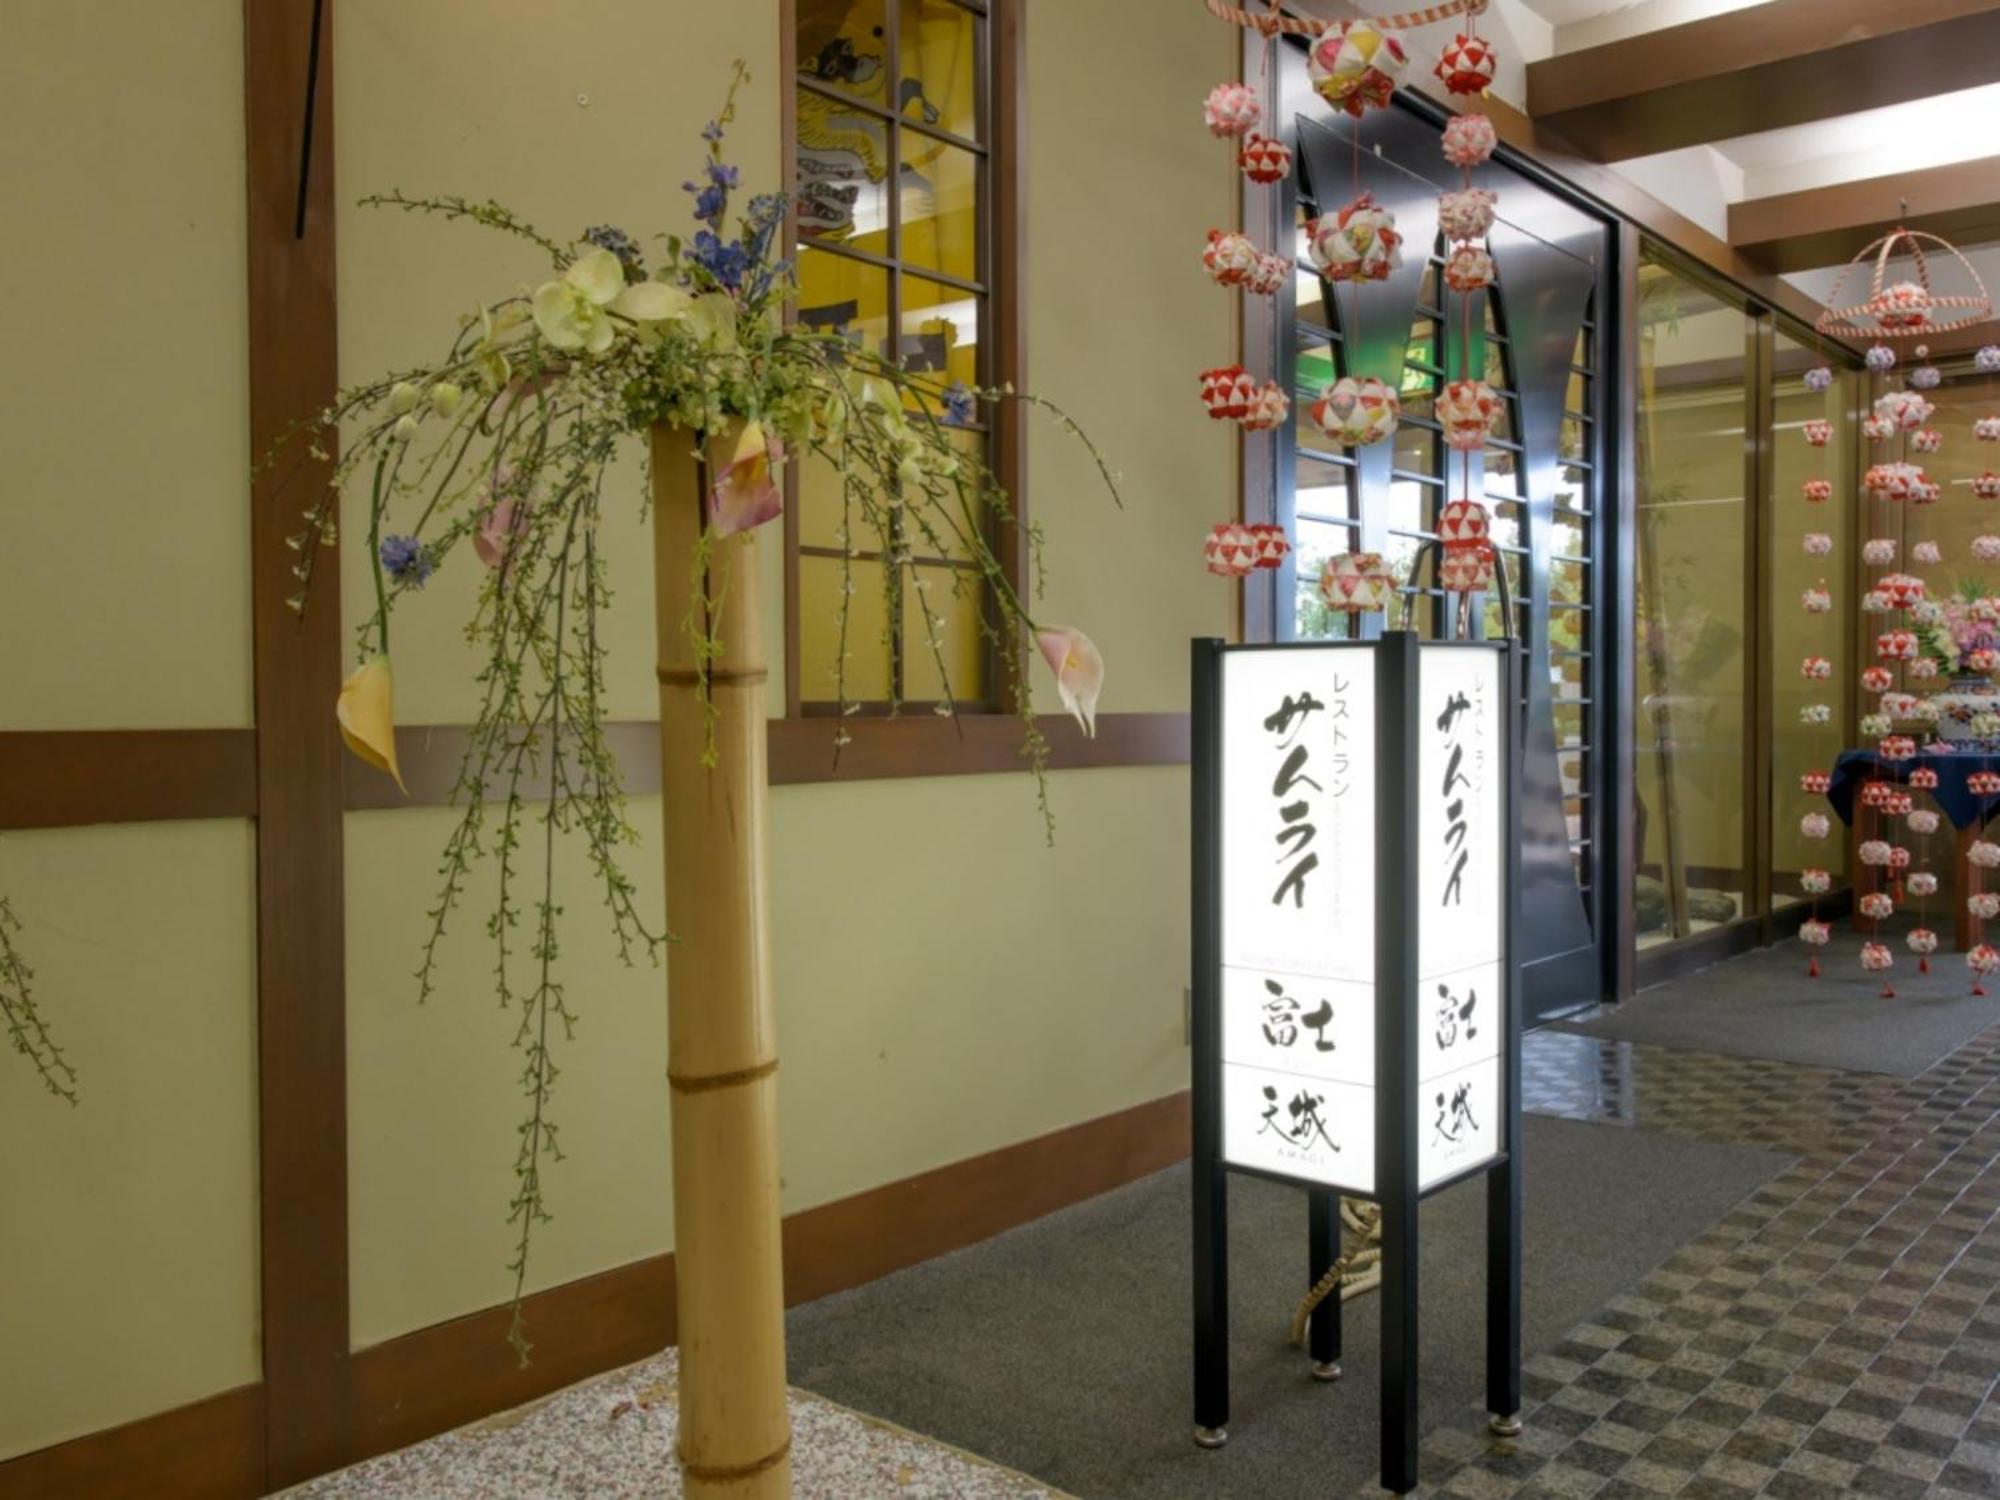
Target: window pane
point(1315, 368)
point(951, 596)
point(1317, 541)
point(940, 330)
point(842, 43)
point(840, 295)
point(940, 83)
point(820, 589)
point(843, 172)
point(940, 207)
point(1324, 489)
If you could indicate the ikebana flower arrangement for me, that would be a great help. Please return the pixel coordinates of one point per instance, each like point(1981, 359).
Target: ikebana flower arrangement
point(497, 456)
point(27, 1033)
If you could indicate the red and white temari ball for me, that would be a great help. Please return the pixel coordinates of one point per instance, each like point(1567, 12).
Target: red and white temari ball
point(1877, 679)
point(1879, 551)
point(1466, 570)
point(1230, 551)
point(1983, 783)
point(1816, 934)
point(1268, 410)
point(1874, 956)
point(1817, 490)
point(1986, 548)
point(1925, 551)
point(1905, 411)
point(1273, 546)
point(1818, 544)
point(1816, 667)
point(1467, 410)
point(1924, 779)
point(1466, 214)
point(1230, 257)
point(1985, 905)
point(1877, 429)
point(1469, 268)
point(1815, 882)
point(1904, 304)
point(1269, 275)
point(1228, 392)
point(1926, 440)
point(1814, 826)
point(1466, 65)
point(1894, 481)
point(1878, 905)
point(1895, 747)
point(1359, 243)
point(1816, 601)
point(1231, 109)
point(1873, 852)
point(1987, 429)
point(1982, 659)
point(1877, 794)
point(1922, 883)
point(1356, 65)
point(1984, 854)
point(1469, 140)
point(1818, 431)
point(1464, 523)
point(1357, 410)
point(1895, 645)
point(1264, 158)
point(1922, 940)
point(1356, 580)
point(1983, 959)
point(1987, 486)
point(1815, 783)
point(1903, 589)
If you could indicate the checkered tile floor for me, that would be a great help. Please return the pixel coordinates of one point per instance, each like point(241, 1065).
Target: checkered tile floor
point(1838, 1333)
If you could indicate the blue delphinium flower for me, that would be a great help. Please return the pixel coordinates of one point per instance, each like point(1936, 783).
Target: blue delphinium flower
point(958, 404)
point(619, 243)
point(722, 176)
point(712, 131)
point(709, 202)
point(726, 261)
point(406, 560)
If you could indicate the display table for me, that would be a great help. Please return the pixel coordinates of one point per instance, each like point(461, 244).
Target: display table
point(1966, 812)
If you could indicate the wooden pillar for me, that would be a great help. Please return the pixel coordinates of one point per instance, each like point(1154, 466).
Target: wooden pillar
point(722, 1054)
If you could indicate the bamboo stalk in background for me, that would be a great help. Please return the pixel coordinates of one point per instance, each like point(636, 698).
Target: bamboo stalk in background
point(722, 1056)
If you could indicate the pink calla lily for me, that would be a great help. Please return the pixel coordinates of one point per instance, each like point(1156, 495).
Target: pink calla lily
point(1079, 670)
point(745, 461)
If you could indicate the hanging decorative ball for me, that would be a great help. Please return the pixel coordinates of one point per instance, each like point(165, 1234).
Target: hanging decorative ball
point(1357, 410)
point(1985, 905)
point(1230, 258)
point(1469, 268)
point(1926, 377)
point(1877, 429)
point(1922, 883)
point(1987, 360)
point(1895, 645)
point(1466, 214)
point(1269, 275)
point(1815, 934)
point(1272, 545)
point(1819, 378)
point(1816, 601)
point(1876, 794)
point(1983, 783)
point(1899, 705)
point(1987, 429)
point(1356, 580)
point(1818, 544)
point(1464, 523)
point(1818, 431)
point(1982, 659)
point(1268, 410)
point(1903, 589)
point(1925, 552)
point(1467, 410)
point(1359, 243)
point(1897, 747)
point(1927, 491)
point(1876, 904)
point(1466, 570)
point(1902, 304)
point(1873, 852)
point(1921, 940)
point(1877, 679)
point(1466, 65)
point(1815, 783)
point(1984, 854)
point(1880, 357)
point(1231, 109)
point(1469, 140)
point(1874, 726)
point(1986, 548)
point(1228, 392)
point(1815, 882)
point(1357, 65)
point(1817, 490)
point(1816, 713)
point(1879, 551)
point(1983, 960)
point(1905, 411)
point(1814, 826)
point(1924, 779)
point(1264, 158)
point(1987, 486)
point(1894, 481)
point(1875, 602)
point(1816, 668)
point(1926, 440)
point(1230, 550)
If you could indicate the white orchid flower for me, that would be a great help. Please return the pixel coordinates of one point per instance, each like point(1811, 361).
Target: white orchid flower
point(572, 312)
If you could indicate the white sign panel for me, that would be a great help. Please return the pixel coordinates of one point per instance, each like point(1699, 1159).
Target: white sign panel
point(1298, 913)
point(1461, 907)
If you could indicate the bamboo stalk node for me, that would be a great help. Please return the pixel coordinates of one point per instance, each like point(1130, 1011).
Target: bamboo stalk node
point(693, 676)
point(699, 1084)
point(726, 1473)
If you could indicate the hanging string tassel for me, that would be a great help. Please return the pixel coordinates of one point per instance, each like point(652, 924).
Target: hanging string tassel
point(1888, 990)
point(1924, 964)
point(1812, 967)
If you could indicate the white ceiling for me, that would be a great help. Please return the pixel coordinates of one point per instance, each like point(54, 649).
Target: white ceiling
point(1591, 23)
point(1908, 137)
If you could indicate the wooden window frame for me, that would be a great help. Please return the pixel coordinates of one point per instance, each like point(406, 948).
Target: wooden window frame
point(1003, 247)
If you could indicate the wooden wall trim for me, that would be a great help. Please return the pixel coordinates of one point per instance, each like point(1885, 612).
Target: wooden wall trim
point(213, 1447)
point(301, 937)
point(438, 1378)
point(1824, 226)
point(65, 778)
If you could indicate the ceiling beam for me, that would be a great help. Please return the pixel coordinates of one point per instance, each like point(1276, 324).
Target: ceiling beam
point(1824, 226)
point(1785, 62)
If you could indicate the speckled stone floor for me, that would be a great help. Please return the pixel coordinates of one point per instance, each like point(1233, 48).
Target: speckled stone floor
point(613, 1437)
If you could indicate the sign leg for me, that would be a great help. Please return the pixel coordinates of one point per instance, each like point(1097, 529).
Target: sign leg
point(1323, 1345)
point(1399, 1340)
point(1211, 1178)
point(1211, 1302)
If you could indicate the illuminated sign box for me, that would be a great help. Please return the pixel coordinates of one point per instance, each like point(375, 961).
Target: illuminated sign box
point(1355, 1023)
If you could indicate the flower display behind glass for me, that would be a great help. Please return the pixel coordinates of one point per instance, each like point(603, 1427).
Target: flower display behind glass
point(505, 443)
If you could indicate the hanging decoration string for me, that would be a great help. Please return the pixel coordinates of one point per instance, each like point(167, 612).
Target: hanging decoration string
point(1275, 22)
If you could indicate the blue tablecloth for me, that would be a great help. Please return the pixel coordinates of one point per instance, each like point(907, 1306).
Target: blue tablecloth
point(1954, 800)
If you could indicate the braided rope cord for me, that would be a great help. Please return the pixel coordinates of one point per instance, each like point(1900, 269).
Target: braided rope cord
point(1357, 1271)
point(1274, 22)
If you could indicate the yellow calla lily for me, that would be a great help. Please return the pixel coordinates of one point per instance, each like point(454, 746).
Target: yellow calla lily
point(367, 715)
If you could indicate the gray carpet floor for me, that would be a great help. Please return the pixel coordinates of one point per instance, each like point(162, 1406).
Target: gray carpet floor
point(1763, 1005)
point(1062, 1348)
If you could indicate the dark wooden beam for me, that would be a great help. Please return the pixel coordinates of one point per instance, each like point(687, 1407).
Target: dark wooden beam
point(301, 930)
point(1785, 62)
point(69, 777)
point(1826, 226)
point(212, 1448)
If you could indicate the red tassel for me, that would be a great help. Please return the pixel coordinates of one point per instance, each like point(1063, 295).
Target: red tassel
point(1978, 988)
point(1888, 990)
point(1812, 967)
point(1924, 964)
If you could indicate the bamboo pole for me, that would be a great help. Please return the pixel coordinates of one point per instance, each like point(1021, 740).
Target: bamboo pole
point(722, 1055)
